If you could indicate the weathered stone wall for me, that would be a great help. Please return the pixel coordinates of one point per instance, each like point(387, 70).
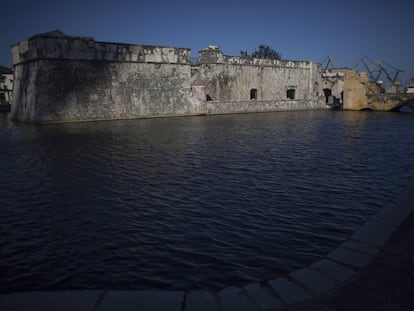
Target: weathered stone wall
point(61, 78)
point(233, 79)
point(214, 107)
point(58, 90)
point(234, 82)
point(75, 79)
point(390, 102)
point(357, 88)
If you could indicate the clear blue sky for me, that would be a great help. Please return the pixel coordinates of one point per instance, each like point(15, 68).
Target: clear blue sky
point(298, 29)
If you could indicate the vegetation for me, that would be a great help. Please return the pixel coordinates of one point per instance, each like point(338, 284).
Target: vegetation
point(264, 52)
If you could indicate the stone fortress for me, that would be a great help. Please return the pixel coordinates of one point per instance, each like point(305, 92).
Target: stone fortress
point(60, 78)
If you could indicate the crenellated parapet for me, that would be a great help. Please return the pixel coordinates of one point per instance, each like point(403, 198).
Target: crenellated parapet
point(213, 55)
point(56, 45)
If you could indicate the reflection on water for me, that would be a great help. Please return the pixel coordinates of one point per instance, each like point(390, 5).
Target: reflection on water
point(199, 202)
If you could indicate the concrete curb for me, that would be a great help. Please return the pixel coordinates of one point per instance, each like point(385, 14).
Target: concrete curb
point(307, 283)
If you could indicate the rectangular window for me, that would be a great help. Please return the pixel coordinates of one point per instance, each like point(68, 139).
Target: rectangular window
point(290, 94)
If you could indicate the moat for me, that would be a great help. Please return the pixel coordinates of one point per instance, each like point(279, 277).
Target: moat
point(195, 202)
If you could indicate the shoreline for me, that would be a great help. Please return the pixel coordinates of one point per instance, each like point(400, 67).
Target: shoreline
point(387, 282)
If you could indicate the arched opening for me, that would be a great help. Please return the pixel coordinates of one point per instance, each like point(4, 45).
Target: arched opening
point(328, 94)
point(253, 94)
point(290, 93)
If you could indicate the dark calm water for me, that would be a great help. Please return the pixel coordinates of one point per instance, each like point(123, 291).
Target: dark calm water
point(198, 202)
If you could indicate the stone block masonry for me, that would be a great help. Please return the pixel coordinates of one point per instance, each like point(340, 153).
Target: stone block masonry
point(231, 78)
point(60, 78)
point(50, 91)
point(243, 85)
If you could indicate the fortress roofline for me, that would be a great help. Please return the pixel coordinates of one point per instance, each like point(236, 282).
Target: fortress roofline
point(214, 55)
point(58, 34)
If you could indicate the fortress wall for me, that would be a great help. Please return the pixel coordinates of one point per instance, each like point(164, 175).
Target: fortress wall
point(77, 79)
point(231, 78)
point(249, 106)
point(61, 78)
point(61, 90)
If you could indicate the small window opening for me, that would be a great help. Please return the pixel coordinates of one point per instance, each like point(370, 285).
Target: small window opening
point(290, 94)
point(253, 94)
point(208, 98)
point(316, 89)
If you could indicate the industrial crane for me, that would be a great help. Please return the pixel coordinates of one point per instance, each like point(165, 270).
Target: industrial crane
point(377, 68)
point(329, 62)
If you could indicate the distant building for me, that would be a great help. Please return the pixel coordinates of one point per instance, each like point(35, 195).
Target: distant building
point(396, 87)
point(410, 88)
point(6, 85)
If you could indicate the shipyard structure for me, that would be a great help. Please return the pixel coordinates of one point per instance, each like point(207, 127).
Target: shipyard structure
point(60, 78)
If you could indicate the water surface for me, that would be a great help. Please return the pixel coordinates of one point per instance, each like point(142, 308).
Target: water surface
point(196, 202)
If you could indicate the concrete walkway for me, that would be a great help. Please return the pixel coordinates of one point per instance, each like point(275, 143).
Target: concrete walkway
point(310, 288)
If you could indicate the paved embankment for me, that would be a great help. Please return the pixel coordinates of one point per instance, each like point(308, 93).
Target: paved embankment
point(386, 283)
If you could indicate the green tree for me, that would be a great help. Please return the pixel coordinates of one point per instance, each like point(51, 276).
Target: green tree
point(264, 51)
point(244, 54)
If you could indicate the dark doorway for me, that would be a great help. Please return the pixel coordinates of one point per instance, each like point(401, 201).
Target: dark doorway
point(328, 93)
point(253, 94)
